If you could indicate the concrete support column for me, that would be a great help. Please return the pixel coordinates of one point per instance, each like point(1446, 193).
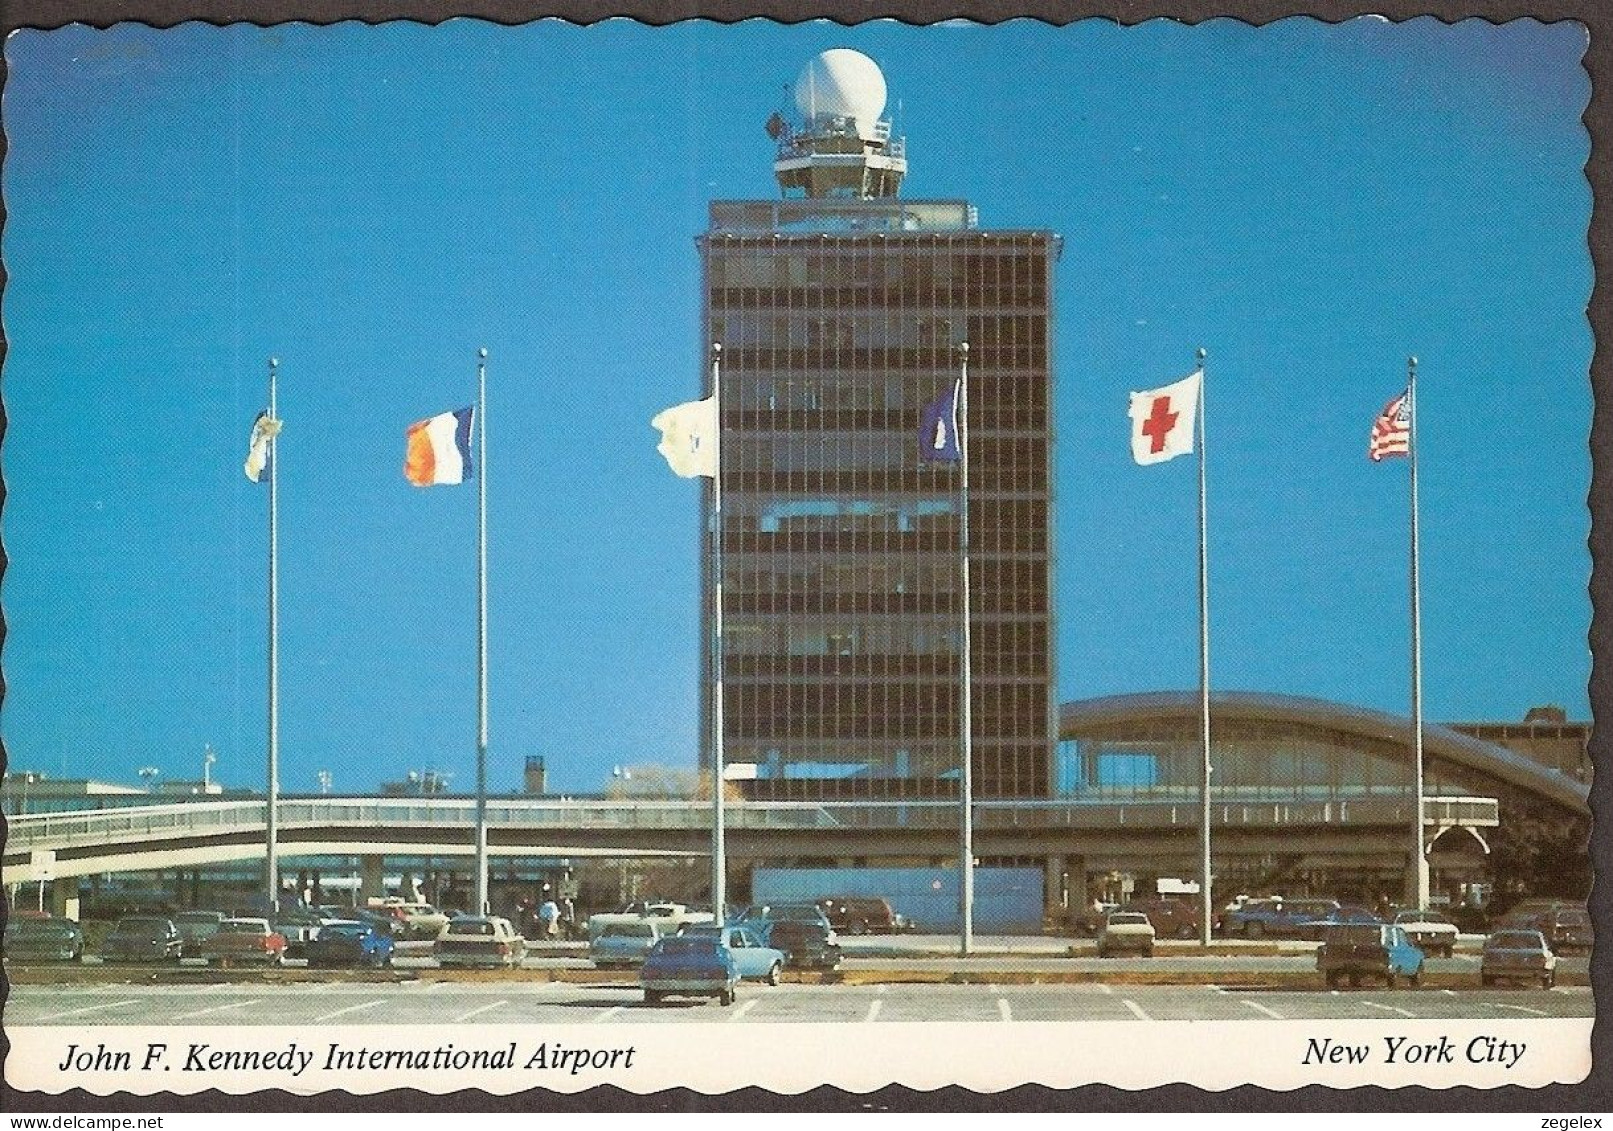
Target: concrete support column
point(60, 890)
point(1075, 867)
point(1053, 888)
point(370, 871)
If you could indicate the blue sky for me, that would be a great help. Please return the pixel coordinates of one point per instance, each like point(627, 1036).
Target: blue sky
point(1309, 202)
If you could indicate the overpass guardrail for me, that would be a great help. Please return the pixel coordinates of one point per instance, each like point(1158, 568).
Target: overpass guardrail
point(209, 818)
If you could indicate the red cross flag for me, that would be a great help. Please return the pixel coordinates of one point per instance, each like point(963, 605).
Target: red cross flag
point(1162, 420)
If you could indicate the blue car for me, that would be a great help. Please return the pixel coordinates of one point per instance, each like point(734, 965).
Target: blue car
point(350, 943)
point(752, 958)
point(689, 967)
point(1368, 950)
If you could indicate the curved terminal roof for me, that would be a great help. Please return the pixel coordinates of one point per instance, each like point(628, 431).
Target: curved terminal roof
point(1084, 715)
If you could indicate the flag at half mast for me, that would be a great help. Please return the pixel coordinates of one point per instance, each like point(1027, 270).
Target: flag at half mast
point(1391, 432)
point(689, 437)
point(264, 429)
point(1162, 420)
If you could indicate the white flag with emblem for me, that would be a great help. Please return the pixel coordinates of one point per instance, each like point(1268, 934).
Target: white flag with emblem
point(1162, 420)
point(689, 437)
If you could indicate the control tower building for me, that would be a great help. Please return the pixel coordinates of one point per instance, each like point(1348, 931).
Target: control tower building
point(840, 307)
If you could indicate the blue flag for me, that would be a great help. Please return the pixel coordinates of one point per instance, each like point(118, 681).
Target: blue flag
point(938, 436)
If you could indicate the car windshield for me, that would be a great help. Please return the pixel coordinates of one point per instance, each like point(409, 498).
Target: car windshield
point(1363, 934)
point(39, 928)
point(683, 945)
point(796, 912)
point(470, 927)
point(629, 931)
point(1516, 940)
point(1422, 917)
point(343, 930)
point(243, 927)
point(1127, 917)
point(142, 926)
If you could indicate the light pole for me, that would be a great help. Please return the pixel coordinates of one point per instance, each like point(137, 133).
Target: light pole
point(208, 758)
point(324, 777)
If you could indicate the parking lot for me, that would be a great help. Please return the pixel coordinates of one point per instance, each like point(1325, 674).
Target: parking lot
point(433, 1002)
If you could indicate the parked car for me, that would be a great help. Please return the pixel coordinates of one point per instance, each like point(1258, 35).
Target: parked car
point(1283, 918)
point(623, 943)
point(668, 918)
point(685, 966)
point(1170, 918)
point(351, 942)
point(142, 938)
point(298, 926)
point(1368, 950)
point(195, 927)
point(862, 915)
point(1126, 931)
point(1433, 931)
point(475, 940)
point(42, 940)
point(1567, 929)
point(753, 958)
point(804, 944)
point(418, 920)
point(1315, 928)
point(1518, 955)
point(245, 940)
point(760, 917)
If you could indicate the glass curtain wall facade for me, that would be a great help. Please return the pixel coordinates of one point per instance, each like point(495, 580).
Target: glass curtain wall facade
point(840, 552)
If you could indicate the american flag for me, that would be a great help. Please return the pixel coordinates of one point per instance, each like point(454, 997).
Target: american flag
point(1391, 432)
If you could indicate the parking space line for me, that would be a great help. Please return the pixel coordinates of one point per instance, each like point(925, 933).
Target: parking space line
point(1215, 989)
point(608, 1014)
point(1390, 1008)
point(1002, 1008)
point(1258, 1008)
point(351, 1009)
point(744, 1009)
point(86, 1009)
point(1135, 1008)
point(478, 1009)
point(1104, 988)
point(216, 1009)
point(1448, 993)
point(1520, 1008)
point(873, 1011)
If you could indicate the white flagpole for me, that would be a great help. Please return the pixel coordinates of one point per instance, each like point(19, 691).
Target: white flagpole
point(271, 857)
point(481, 632)
point(1419, 861)
point(966, 847)
point(719, 861)
point(1206, 899)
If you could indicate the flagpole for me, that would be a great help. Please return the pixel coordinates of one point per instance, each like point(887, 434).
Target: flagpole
point(271, 857)
point(1206, 900)
point(719, 861)
point(966, 850)
point(481, 632)
point(1419, 861)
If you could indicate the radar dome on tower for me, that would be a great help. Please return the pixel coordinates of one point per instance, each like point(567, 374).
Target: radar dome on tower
point(842, 83)
point(840, 147)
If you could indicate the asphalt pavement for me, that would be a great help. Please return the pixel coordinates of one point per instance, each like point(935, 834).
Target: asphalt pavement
point(435, 1002)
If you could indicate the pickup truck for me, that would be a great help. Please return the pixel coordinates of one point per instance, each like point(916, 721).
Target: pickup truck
point(669, 918)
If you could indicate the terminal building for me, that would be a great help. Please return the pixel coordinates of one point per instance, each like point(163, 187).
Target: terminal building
point(841, 309)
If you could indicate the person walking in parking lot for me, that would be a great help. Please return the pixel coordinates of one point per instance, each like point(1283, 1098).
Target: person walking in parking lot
point(549, 916)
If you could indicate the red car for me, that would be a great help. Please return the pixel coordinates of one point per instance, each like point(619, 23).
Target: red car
point(245, 940)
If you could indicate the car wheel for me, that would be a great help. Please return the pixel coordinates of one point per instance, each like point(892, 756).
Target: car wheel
point(1332, 979)
point(775, 974)
point(859, 927)
point(1486, 980)
point(1149, 953)
point(1355, 980)
point(1186, 931)
point(1254, 930)
point(652, 997)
